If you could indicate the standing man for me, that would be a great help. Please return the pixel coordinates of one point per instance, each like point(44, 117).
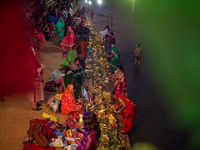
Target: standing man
point(137, 52)
point(81, 47)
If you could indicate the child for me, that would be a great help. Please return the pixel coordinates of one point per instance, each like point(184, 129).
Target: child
point(51, 29)
point(137, 52)
point(46, 31)
point(54, 28)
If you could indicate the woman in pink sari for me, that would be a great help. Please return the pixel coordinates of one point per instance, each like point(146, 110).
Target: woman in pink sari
point(69, 40)
point(91, 134)
point(120, 82)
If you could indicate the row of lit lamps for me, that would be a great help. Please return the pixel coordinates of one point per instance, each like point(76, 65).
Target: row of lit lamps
point(90, 2)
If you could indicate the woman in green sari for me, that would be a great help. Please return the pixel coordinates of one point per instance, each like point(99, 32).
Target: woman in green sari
point(69, 79)
point(71, 56)
point(60, 29)
point(116, 58)
point(77, 69)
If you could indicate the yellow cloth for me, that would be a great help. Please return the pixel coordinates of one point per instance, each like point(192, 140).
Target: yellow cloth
point(58, 96)
point(52, 118)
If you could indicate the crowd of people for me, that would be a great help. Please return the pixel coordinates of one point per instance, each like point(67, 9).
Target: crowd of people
point(73, 38)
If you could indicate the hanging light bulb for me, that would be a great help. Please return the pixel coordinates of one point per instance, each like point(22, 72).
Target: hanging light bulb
point(99, 2)
point(90, 2)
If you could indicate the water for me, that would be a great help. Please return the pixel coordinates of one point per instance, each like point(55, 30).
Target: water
point(154, 123)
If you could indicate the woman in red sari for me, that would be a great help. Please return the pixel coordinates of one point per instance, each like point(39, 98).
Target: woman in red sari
point(120, 82)
point(68, 102)
point(69, 40)
point(127, 110)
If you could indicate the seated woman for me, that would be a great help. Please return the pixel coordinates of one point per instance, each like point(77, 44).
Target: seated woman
point(69, 40)
point(120, 82)
point(76, 67)
point(91, 134)
point(68, 102)
point(69, 79)
point(39, 35)
point(115, 58)
point(127, 110)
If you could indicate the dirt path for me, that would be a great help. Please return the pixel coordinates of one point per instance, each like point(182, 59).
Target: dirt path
point(16, 110)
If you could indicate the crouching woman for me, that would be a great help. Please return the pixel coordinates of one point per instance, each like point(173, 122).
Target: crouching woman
point(127, 110)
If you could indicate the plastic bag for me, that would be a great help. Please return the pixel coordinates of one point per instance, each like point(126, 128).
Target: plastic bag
point(51, 117)
point(58, 142)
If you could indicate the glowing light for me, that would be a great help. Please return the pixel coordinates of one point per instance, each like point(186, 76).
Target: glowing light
point(90, 2)
point(99, 2)
point(86, 1)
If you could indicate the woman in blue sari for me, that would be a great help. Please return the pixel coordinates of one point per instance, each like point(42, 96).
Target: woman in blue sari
point(60, 29)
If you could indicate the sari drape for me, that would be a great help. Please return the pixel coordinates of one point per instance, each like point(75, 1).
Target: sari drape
point(60, 27)
point(89, 140)
point(121, 84)
point(68, 105)
point(78, 73)
point(116, 59)
point(37, 34)
point(129, 113)
point(71, 56)
point(70, 79)
point(37, 93)
point(69, 40)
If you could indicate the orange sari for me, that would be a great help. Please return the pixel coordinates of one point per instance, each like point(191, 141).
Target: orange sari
point(68, 101)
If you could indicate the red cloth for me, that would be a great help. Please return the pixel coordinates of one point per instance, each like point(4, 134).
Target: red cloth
point(39, 121)
point(111, 40)
point(47, 131)
point(34, 63)
point(33, 146)
point(51, 27)
point(129, 113)
point(80, 109)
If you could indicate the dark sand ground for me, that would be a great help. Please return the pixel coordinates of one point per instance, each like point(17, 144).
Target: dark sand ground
point(152, 123)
